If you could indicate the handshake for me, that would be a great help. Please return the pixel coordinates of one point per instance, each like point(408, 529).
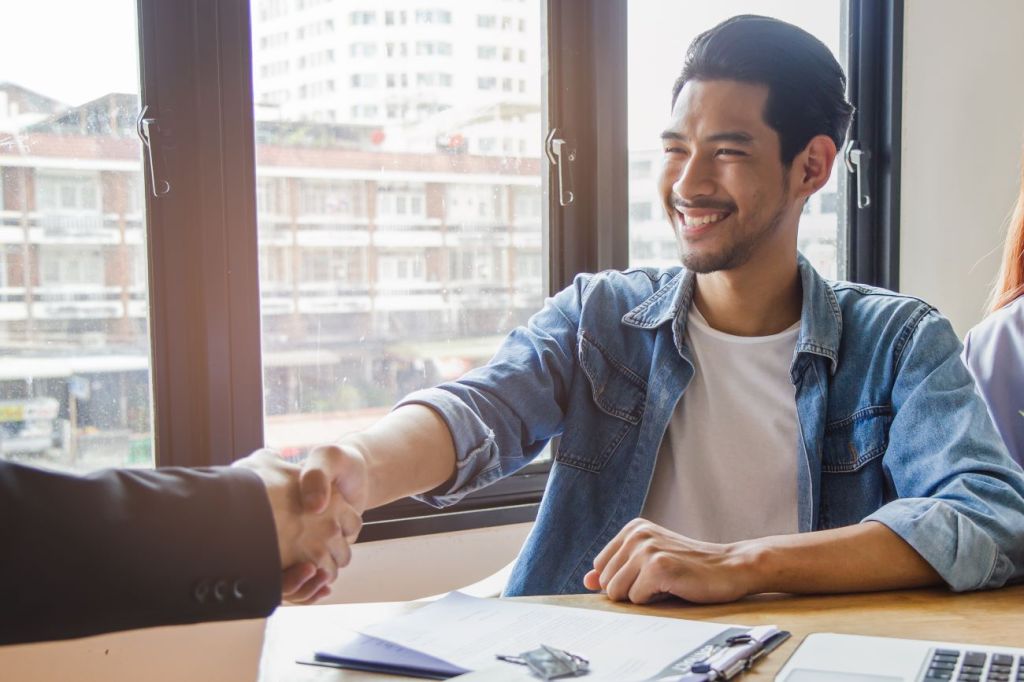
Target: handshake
point(317, 511)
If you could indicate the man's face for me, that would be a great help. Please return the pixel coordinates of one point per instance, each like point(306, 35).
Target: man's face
point(722, 181)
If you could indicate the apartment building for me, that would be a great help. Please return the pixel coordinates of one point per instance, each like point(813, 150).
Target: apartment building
point(462, 75)
point(381, 271)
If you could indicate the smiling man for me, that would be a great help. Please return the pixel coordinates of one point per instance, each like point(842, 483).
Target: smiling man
point(735, 425)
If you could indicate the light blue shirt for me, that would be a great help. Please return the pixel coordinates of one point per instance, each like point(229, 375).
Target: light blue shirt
point(891, 428)
point(994, 352)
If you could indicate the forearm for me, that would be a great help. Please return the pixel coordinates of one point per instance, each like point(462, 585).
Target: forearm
point(860, 558)
point(407, 452)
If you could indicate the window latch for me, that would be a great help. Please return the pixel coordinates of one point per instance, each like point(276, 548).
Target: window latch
point(145, 127)
point(857, 164)
point(561, 158)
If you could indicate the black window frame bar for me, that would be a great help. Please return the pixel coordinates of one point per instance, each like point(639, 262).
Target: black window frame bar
point(875, 58)
point(204, 315)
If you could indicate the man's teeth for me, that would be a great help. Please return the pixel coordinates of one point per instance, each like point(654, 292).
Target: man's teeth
point(696, 221)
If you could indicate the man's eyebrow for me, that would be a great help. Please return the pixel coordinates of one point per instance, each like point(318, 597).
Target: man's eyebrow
point(735, 136)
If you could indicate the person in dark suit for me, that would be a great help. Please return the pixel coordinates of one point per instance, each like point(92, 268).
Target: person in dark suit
point(122, 549)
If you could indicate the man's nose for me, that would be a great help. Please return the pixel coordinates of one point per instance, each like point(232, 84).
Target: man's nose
point(694, 180)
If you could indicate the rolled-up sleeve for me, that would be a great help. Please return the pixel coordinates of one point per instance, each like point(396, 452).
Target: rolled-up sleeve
point(960, 496)
point(502, 415)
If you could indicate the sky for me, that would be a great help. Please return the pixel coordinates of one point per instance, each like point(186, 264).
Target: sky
point(71, 50)
point(77, 50)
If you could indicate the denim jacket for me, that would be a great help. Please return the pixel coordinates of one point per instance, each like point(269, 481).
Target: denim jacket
point(891, 428)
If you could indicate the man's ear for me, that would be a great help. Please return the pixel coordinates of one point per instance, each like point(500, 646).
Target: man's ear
point(812, 167)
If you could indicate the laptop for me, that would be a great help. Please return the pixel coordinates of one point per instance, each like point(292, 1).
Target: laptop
point(829, 657)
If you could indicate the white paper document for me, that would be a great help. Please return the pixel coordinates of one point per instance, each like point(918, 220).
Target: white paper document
point(469, 632)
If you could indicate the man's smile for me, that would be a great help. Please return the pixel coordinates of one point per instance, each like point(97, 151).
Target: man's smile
point(696, 221)
point(691, 220)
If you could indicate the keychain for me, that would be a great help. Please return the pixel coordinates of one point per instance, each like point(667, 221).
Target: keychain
point(549, 663)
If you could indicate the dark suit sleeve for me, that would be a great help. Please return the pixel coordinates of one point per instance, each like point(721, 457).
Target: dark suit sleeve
point(125, 549)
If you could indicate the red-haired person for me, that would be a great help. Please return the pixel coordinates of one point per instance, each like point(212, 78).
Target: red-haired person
point(994, 349)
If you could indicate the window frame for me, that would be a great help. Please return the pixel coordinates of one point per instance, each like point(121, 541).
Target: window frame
point(196, 82)
point(875, 86)
point(196, 60)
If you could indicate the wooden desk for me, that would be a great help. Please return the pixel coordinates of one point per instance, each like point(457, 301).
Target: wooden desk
point(995, 618)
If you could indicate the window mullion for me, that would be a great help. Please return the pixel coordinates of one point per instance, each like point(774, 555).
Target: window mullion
point(204, 305)
point(586, 82)
point(875, 77)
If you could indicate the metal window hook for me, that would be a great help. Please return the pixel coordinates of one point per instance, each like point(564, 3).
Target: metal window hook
point(144, 127)
point(561, 158)
point(856, 161)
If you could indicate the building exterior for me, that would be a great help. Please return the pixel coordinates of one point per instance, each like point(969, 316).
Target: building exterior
point(462, 75)
point(381, 271)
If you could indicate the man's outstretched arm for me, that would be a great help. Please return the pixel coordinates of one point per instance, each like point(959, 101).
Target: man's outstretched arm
point(407, 452)
point(646, 562)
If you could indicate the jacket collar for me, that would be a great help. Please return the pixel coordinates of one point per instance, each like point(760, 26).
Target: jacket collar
point(821, 321)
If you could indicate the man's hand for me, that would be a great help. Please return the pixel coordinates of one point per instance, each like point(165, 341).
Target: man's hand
point(408, 451)
point(330, 469)
point(312, 545)
point(331, 475)
point(646, 562)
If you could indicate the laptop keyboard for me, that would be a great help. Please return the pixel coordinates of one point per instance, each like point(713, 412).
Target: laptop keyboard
point(973, 666)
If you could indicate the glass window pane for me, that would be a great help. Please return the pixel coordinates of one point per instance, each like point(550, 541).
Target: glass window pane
point(399, 204)
point(74, 341)
point(659, 33)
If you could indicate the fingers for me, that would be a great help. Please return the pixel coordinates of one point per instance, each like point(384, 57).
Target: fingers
point(318, 473)
point(633, 566)
point(652, 578)
point(340, 551)
point(618, 577)
point(312, 589)
point(347, 518)
point(601, 560)
point(334, 467)
point(617, 552)
point(294, 577)
point(318, 595)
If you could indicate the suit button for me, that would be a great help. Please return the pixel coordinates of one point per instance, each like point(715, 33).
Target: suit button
point(220, 590)
point(201, 591)
point(238, 589)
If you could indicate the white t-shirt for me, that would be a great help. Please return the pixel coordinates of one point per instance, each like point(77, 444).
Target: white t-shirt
point(726, 468)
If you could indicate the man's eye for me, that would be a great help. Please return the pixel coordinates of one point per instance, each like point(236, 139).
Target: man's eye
point(730, 152)
point(674, 150)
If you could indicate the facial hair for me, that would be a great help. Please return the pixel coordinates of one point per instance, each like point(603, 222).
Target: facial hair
point(735, 254)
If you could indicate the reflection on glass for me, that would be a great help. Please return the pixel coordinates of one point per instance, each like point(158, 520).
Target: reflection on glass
point(399, 202)
point(659, 33)
point(74, 348)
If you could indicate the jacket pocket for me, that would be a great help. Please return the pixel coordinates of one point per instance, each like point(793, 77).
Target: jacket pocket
point(607, 411)
point(854, 442)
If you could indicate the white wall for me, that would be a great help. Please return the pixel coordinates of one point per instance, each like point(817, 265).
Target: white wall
point(963, 125)
point(410, 568)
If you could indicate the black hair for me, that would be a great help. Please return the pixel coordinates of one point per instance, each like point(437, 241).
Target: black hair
point(806, 85)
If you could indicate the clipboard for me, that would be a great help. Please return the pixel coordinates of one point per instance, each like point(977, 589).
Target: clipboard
point(725, 656)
